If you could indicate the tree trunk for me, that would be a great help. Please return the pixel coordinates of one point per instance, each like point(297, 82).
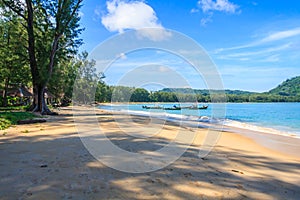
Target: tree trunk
point(5, 103)
point(63, 20)
point(39, 103)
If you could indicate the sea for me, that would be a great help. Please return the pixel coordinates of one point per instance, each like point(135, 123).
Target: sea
point(274, 118)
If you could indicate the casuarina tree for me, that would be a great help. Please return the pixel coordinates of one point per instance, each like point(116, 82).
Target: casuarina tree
point(52, 35)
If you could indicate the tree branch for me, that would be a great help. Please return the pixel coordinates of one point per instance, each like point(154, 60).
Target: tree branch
point(17, 9)
point(73, 12)
point(59, 33)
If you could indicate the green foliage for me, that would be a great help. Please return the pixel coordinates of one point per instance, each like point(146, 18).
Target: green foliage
point(4, 123)
point(63, 77)
point(55, 22)
point(103, 92)
point(14, 67)
point(121, 93)
point(9, 118)
point(140, 95)
point(290, 87)
point(162, 96)
point(51, 29)
point(288, 91)
point(9, 108)
point(87, 80)
point(205, 91)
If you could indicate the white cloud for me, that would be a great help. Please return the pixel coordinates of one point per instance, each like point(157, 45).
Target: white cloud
point(81, 14)
point(122, 15)
point(194, 10)
point(132, 15)
point(261, 52)
point(210, 6)
point(218, 5)
point(272, 47)
point(281, 35)
point(206, 19)
point(254, 3)
point(275, 36)
point(272, 58)
point(163, 69)
point(155, 34)
point(122, 56)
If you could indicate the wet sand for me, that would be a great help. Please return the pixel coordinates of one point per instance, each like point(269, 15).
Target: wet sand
point(49, 161)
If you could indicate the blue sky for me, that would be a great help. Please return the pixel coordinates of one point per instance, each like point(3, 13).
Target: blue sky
point(255, 44)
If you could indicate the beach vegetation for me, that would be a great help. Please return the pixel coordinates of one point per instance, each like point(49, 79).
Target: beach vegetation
point(40, 41)
point(51, 34)
point(13, 108)
point(290, 88)
point(11, 118)
point(14, 69)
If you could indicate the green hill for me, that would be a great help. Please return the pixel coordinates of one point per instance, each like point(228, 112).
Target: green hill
point(290, 87)
point(204, 91)
point(288, 91)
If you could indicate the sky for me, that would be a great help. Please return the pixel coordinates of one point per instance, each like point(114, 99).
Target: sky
point(254, 44)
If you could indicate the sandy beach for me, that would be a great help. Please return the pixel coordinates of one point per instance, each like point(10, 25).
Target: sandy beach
point(49, 161)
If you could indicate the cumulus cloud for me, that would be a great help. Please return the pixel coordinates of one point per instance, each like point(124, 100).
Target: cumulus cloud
point(123, 15)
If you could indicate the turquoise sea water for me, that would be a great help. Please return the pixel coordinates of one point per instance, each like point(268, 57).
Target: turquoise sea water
point(281, 117)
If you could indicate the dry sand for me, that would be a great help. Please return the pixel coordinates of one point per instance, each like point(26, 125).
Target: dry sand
point(49, 161)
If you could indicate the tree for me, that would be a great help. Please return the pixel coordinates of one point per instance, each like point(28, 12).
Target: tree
point(121, 93)
point(140, 95)
point(14, 68)
point(63, 78)
point(103, 92)
point(87, 80)
point(52, 33)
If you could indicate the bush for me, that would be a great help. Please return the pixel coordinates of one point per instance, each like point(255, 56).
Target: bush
point(8, 108)
point(9, 118)
point(4, 123)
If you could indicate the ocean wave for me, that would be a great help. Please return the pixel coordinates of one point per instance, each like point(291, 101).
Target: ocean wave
point(205, 122)
point(252, 127)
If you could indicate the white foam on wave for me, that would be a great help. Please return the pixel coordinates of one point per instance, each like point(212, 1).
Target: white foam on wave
point(247, 126)
point(187, 120)
point(207, 122)
point(166, 116)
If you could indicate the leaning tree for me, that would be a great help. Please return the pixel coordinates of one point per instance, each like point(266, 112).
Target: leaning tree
point(52, 35)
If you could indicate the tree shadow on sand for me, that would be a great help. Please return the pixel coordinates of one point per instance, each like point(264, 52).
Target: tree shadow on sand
point(39, 167)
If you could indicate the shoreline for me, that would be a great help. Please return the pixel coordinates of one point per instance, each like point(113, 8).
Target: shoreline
point(49, 161)
point(286, 144)
point(282, 143)
point(233, 123)
point(107, 103)
point(265, 136)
